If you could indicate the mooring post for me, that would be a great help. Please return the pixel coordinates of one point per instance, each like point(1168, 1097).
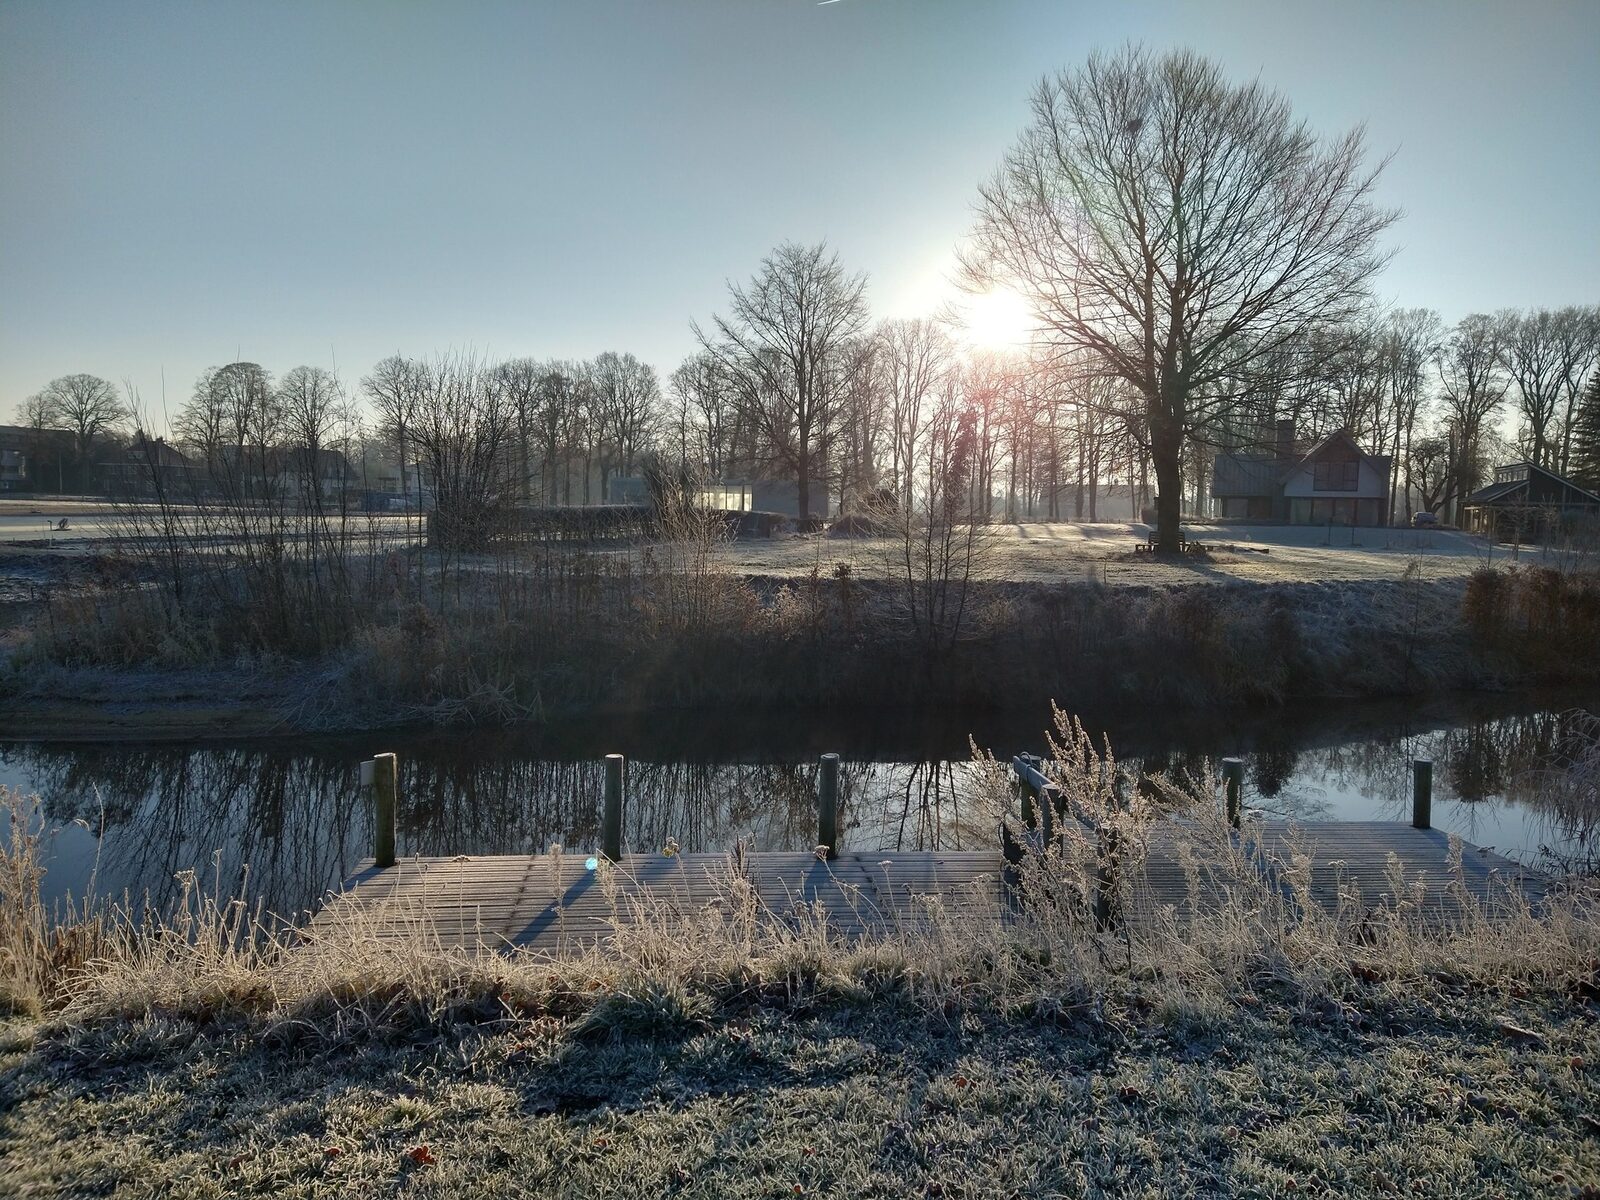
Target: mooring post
point(1052, 806)
point(828, 803)
point(611, 819)
point(1105, 883)
point(1233, 781)
point(1422, 793)
point(384, 780)
point(1026, 792)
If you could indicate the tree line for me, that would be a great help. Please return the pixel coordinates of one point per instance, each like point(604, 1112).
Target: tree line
point(870, 414)
point(1198, 265)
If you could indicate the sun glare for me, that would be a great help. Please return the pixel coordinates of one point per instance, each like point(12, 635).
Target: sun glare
point(998, 320)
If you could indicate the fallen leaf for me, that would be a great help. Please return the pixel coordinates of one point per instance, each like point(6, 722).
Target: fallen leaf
point(1517, 1033)
point(421, 1155)
point(332, 1151)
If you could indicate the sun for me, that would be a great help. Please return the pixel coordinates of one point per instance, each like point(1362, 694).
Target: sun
point(998, 320)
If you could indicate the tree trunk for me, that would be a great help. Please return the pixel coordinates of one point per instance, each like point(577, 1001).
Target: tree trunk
point(1166, 445)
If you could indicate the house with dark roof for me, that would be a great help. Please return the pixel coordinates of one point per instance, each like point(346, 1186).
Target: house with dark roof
point(1334, 482)
point(149, 467)
point(1527, 503)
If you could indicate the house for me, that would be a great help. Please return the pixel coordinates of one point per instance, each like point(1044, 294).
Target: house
point(386, 488)
point(1527, 503)
point(323, 472)
point(731, 495)
point(150, 467)
point(32, 460)
point(282, 471)
point(1334, 482)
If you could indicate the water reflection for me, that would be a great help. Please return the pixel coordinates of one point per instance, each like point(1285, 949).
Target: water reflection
point(287, 818)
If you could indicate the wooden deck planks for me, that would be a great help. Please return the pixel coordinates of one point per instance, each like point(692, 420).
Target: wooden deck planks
point(554, 904)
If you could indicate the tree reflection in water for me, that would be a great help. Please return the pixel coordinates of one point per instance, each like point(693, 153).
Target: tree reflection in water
point(294, 815)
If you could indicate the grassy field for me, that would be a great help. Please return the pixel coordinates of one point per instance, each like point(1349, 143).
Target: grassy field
point(1103, 552)
point(1386, 1091)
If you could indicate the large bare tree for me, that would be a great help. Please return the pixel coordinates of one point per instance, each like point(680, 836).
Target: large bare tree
point(780, 344)
point(87, 405)
point(1180, 229)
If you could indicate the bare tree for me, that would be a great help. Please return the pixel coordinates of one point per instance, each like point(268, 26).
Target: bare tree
point(518, 380)
point(627, 400)
point(1429, 461)
point(778, 344)
point(1472, 386)
point(942, 549)
point(1532, 351)
point(35, 415)
point(462, 426)
point(1411, 340)
point(916, 354)
point(705, 415)
point(312, 404)
point(316, 413)
point(562, 396)
point(87, 405)
point(1179, 229)
point(396, 388)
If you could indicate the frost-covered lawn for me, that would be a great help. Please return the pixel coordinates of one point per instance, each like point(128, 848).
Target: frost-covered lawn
point(1392, 1094)
point(1104, 551)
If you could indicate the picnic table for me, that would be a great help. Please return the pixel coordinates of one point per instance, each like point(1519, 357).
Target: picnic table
point(1185, 545)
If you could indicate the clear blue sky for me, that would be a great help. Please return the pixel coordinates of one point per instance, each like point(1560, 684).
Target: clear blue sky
point(181, 184)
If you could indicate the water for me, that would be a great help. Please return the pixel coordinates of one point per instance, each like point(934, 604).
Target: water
point(130, 817)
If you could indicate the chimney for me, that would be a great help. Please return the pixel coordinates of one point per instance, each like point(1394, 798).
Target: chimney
point(1283, 445)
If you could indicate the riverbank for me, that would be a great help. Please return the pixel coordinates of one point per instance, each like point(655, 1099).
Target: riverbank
point(1458, 1090)
point(1261, 1044)
point(86, 670)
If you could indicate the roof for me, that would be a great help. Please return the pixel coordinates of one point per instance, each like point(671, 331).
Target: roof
point(1341, 435)
point(1264, 474)
point(1496, 492)
point(1245, 475)
point(1502, 493)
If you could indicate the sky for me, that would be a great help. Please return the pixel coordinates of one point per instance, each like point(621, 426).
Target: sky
point(184, 184)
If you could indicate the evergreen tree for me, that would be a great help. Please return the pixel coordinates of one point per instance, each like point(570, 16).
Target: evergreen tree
point(1585, 461)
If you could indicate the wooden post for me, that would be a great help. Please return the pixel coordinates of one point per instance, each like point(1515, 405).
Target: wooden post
point(1105, 883)
point(611, 819)
point(828, 804)
point(385, 786)
point(1027, 793)
point(1051, 806)
point(1233, 780)
point(1422, 793)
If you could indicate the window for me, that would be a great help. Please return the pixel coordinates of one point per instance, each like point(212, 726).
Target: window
point(1333, 475)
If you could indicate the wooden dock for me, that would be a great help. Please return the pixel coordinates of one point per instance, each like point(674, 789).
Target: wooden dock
point(557, 903)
